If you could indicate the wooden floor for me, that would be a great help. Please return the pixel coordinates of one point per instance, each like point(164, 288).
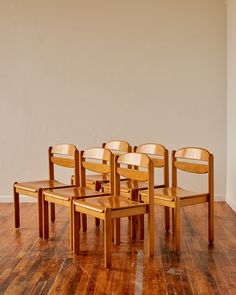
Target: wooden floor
point(29, 265)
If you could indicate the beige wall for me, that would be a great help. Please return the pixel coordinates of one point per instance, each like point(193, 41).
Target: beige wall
point(231, 150)
point(88, 71)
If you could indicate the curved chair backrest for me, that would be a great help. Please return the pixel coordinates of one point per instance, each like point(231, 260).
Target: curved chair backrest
point(65, 155)
point(98, 160)
point(134, 160)
point(162, 159)
point(194, 160)
point(118, 145)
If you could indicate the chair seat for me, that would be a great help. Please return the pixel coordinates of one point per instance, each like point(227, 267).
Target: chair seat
point(72, 192)
point(34, 186)
point(102, 203)
point(128, 185)
point(171, 193)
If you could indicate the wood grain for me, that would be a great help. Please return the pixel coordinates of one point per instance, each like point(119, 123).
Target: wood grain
point(30, 265)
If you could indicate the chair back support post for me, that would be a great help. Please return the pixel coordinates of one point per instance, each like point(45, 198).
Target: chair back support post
point(103, 146)
point(111, 175)
point(76, 168)
point(211, 199)
point(134, 149)
point(211, 176)
point(116, 177)
point(174, 170)
point(166, 168)
point(82, 169)
point(50, 164)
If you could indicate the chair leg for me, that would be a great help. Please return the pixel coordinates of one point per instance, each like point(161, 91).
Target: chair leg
point(173, 220)
point(141, 226)
point(40, 214)
point(167, 218)
point(140, 221)
point(52, 212)
point(211, 221)
point(107, 238)
point(133, 227)
point(150, 233)
point(97, 188)
point(45, 219)
point(74, 223)
point(112, 230)
point(133, 219)
point(97, 221)
point(116, 231)
point(76, 233)
point(177, 224)
point(16, 208)
point(84, 222)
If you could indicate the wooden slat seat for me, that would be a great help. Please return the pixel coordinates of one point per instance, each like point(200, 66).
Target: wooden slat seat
point(34, 186)
point(127, 186)
point(171, 193)
point(71, 192)
point(112, 202)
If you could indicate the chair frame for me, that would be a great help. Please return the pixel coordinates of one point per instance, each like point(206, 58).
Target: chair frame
point(194, 154)
point(59, 149)
point(150, 149)
point(113, 146)
point(110, 214)
point(93, 153)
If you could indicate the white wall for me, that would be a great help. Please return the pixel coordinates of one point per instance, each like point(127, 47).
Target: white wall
point(231, 138)
point(88, 71)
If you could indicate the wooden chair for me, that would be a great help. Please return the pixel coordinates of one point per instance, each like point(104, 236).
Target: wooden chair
point(65, 196)
point(115, 206)
point(95, 181)
point(65, 155)
point(130, 188)
point(175, 197)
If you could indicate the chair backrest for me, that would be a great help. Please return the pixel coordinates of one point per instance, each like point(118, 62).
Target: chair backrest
point(118, 145)
point(98, 160)
point(133, 160)
point(193, 160)
point(65, 155)
point(160, 159)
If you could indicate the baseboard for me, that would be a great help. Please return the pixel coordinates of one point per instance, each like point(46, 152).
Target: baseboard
point(24, 199)
point(231, 203)
point(219, 198)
